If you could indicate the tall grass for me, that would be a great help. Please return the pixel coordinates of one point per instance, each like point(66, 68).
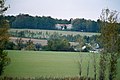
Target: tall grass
point(46, 78)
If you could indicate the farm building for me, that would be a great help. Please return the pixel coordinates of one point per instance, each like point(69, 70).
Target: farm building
point(63, 26)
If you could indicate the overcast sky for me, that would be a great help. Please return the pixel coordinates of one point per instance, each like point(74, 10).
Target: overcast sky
point(64, 9)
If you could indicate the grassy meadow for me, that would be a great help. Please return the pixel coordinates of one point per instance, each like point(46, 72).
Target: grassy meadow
point(49, 64)
point(50, 32)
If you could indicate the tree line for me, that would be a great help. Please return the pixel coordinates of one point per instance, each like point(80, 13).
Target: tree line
point(25, 21)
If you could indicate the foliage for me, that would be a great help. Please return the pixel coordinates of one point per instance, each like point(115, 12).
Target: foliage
point(3, 32)
point(19, 44)
point(110, 41)
point(4, 25)
point(46, 34)
point(30, 22)
point(4, 59)
point(10, 45)
point(38, 46)
point(74, 38)
point(2, 7)
point(85, 25)
point(25, 21)
point(56, 43)
point(30, 45)
point(63, 21)
point(81, 43)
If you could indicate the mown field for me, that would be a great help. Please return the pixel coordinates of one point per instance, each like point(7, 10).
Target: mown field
point(49, 64)
point(56, 31)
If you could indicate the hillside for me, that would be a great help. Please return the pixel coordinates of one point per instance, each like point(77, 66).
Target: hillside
point(26, 21)
point(55, 31)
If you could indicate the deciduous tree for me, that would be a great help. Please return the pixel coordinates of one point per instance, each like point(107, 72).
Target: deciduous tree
point(4, 59)
point(110, 42)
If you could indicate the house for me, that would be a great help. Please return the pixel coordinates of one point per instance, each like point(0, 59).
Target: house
point(63, 26)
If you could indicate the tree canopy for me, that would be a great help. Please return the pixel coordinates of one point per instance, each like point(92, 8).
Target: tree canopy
point(110, 40)
point(25, 21)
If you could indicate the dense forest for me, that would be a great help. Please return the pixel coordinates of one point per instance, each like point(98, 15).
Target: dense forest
point(25, 21)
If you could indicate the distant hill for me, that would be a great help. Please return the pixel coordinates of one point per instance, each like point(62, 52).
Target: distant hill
point(25, 21)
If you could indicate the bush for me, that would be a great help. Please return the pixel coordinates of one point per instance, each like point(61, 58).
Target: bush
point(60, 44)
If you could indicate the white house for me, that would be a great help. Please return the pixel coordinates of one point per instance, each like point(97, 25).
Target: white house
point(63, 26)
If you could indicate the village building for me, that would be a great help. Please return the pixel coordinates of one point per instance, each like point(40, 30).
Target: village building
point(63, 26)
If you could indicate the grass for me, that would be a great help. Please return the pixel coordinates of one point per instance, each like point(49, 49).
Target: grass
point(48, 64)
point(56, 31)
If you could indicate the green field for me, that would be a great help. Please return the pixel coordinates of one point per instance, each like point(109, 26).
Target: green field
point(56, 31)
point(48, 63)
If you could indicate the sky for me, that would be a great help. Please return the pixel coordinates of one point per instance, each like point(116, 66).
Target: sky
point(62, 9)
